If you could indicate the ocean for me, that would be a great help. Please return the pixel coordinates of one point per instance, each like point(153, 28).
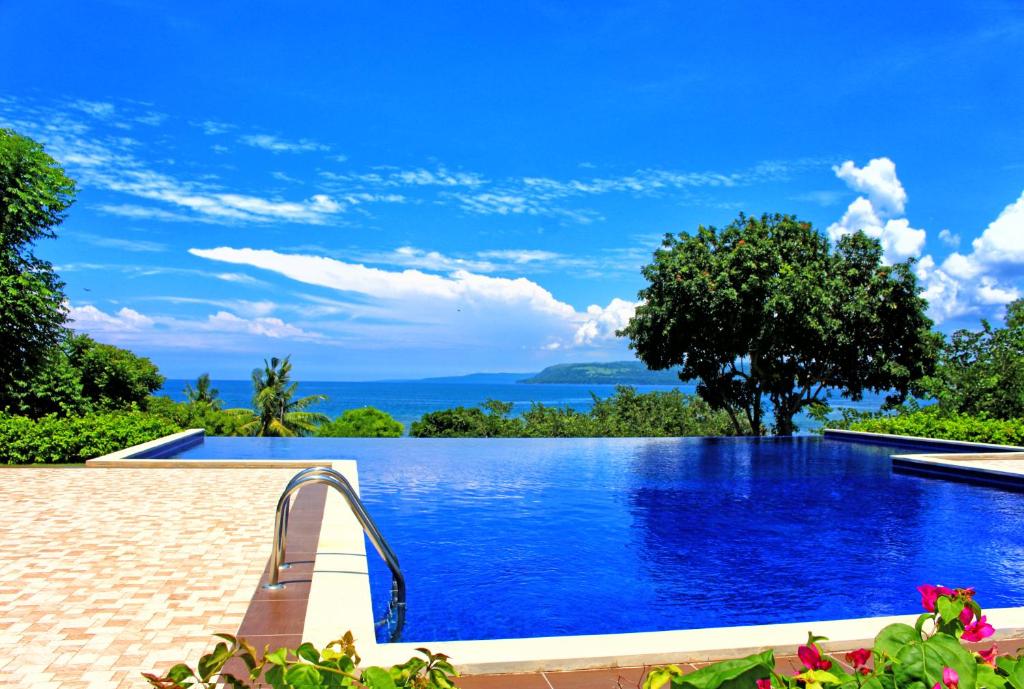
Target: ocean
point(407, 401)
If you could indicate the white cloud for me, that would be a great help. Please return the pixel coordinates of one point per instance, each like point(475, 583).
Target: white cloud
point(276, 145)
point(212, 128)
point(153, 119)
point(875, 213)
point(127, 326)
point(461, 306)
point(137, 245)
point(878, 180)
point(99, 110)
point(602, 323)
point(88, 318)
point(1002, 242)
point(948, 238)
point(520, 256)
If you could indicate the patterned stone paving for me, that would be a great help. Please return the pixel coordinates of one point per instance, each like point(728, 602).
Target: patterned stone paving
point(106, 573)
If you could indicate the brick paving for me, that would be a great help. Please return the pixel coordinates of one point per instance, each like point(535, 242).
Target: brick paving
point(106, 573)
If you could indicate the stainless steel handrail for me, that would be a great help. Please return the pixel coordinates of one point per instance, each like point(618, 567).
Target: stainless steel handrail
point(334, 479)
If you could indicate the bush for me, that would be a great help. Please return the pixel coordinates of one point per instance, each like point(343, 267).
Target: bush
point(53, 439)
point(625, 414)
point(367, 422)
point(929, 654)
point(305, 666)
point(932, 422)
point(213, 420)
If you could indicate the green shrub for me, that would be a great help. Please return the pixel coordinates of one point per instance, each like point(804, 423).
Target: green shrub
point(53, 439)
point(367, 422)
point(205, 415)
point(932, 422)
point(932, 653)
point(627, 413)
point(332, 668)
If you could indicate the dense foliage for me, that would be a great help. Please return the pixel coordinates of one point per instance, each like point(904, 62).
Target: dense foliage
point(53, 439)
point(34, 195)
point(277, 411)
point(333, 667)
point(982, 371)
point(81, 376)
point(977, 390)
point(932, 422)
point(932, 653)
point(624, 414)
point(367, 422)
point(765, 308)
point(212, 419)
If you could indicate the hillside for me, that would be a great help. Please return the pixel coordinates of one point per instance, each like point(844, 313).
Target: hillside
point(607, 373)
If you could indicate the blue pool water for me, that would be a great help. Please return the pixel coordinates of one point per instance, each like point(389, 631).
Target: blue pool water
point(516, 538)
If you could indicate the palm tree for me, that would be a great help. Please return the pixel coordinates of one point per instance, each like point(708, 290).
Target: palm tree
point(202, 393)
point(276, 412)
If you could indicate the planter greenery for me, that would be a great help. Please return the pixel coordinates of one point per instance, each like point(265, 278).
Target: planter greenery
point(930, 654)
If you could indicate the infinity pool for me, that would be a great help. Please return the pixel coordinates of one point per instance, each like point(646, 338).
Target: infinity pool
point(517, 538)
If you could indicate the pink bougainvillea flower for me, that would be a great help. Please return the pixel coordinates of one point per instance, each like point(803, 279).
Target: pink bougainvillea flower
point(764, 684)
point(930, 593)
point(858, 658)
point(978, 630)
point(810, 656)
point(950, 678)
point(966, 615)
point(989, 656)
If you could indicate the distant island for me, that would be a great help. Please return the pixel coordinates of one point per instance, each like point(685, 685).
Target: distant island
point(607, 373)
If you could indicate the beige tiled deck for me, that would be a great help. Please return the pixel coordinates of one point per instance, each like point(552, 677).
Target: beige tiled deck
point(106, 573)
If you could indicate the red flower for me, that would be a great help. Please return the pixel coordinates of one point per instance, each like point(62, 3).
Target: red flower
point(966, 615)
point(764, 684)
point(930, 593)
point(989, 657)
point(950, 678)
point(978, 630)
point(810, 656)
point(858, 658)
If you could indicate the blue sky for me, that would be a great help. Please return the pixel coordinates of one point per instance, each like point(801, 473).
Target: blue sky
point(441, 189)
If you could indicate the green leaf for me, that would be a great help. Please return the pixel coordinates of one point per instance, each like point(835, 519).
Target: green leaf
point(308, 652)
point(302, 675)
point(988, 678)
point(1014, 669)
point(377, 678)
point(740, 673)
point(949, 609)
point(891, 640)
point(211, 663)
point(181, 672)
point(278, 657)
point(924, 661)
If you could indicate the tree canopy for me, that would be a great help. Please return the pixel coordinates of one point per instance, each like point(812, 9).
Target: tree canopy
point(34, 195)
point(765, 308)
point(981, 372)
point(367, 422)
point(277, 411)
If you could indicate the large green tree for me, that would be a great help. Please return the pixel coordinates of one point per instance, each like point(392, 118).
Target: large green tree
point(277, 411)
point(982, 371)
point(34, 195)
point(765, 308)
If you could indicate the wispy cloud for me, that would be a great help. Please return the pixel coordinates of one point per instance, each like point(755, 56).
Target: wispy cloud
point(213, 128)
point(476, 306)
point(276, 145)
point(137, 245)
